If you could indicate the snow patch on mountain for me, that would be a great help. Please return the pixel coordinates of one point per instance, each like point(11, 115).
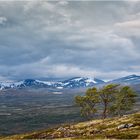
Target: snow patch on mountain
point(128, 80)
point(89, 80)
point(45, 82)
point(76, 82)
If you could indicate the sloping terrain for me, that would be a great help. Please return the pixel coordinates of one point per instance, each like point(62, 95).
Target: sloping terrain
point(73, 83)
point(127, 80)
point(126, 127)
point(76, 82)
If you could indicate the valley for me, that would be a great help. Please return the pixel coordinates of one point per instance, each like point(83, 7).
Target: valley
point(27, 110)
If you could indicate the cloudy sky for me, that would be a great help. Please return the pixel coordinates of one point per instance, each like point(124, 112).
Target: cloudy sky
point(69, 38)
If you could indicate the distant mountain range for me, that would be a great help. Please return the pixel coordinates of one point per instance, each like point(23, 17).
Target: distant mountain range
point(128, 80)
point(76, 82)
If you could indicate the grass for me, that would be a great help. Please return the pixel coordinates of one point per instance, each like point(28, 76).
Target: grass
point(95, 129)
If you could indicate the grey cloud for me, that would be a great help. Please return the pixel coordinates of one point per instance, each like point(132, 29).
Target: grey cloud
point(3, 20)
point(69, 38)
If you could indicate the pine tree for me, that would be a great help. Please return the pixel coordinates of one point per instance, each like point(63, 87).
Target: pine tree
point(107, 94)
point(112, 99)
point(88, 102)
point(124, 100)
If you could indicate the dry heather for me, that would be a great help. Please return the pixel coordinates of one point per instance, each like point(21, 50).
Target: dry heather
point(95, 129)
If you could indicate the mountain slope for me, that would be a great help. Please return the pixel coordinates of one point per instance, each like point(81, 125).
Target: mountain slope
point(128, 80)
point(77, 82)
point(112, 128)
point(81, 82)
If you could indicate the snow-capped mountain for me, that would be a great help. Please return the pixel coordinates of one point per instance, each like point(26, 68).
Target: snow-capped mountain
point(81, 82)
point(128, 80)
point(77, 82)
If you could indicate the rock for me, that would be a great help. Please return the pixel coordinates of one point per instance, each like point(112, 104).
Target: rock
point(61, 129)
point(130, 125)
point(65, 132)
point(122, 126)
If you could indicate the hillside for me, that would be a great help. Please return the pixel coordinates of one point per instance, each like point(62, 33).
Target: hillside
point(75, 82)
point(72, 83)
point(126, 127)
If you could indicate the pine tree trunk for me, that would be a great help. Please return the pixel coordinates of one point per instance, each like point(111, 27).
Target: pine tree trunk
point(105, 111)
point(119, 112)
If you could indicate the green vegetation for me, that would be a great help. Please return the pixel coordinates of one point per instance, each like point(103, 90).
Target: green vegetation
point(107, 95)
point(125, 100)
point(95, 129)
point(112, 98)
point(36, 111)
point(88, 102)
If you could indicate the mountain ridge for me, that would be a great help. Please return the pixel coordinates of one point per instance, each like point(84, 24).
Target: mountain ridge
point(75, 82)
point(127, 80)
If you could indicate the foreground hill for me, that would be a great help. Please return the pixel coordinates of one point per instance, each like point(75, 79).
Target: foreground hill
point(126, 127)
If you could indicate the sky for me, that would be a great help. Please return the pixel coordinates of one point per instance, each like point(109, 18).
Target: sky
point(62, 39)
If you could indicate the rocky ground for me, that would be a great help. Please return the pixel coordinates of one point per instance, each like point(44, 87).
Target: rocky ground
point(126, 127)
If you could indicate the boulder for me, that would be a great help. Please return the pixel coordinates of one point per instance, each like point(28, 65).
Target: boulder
point(61, 129)
point(122, 126)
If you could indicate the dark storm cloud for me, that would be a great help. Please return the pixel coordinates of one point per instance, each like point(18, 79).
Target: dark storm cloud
point(69, 38)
